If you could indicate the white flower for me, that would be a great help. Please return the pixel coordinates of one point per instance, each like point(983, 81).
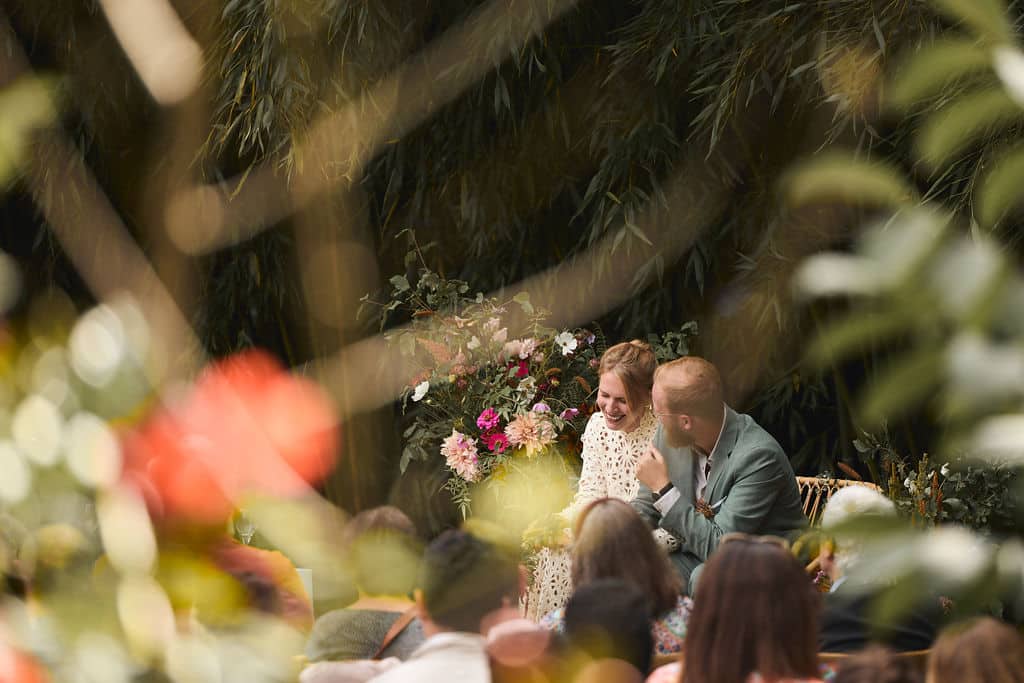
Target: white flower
point(473, 343)
point(421, 390)
point(500, 336)
point(910, 484)
point(944, 470)
point(567, 342)
point(954, 553)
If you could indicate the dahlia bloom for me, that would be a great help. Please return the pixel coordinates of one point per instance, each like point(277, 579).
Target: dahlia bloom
point(532, 431)
point(459, 452)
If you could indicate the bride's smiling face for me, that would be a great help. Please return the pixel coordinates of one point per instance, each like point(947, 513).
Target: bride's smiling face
point(611, 401)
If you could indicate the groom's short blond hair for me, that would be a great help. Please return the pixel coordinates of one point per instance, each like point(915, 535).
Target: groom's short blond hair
point(692, 386)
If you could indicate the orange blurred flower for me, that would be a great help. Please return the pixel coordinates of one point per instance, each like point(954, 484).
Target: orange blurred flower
point(245, 426)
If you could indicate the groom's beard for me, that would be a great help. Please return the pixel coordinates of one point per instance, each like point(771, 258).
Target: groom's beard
point(677, 438)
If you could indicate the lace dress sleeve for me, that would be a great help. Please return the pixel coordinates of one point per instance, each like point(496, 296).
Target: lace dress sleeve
point(593, 484)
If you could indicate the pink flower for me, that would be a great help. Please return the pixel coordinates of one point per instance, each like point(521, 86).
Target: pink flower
point(532, 431)
point(569, 413)
point(541, 407)
point(488, 419)
point(496, 442)
point(459, 452)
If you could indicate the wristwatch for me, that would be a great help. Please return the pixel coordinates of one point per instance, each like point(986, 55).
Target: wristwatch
point(664, 489)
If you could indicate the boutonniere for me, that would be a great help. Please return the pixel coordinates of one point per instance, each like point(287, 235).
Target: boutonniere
point(705, 509)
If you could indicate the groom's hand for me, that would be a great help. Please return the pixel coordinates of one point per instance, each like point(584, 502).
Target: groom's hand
point(651, 469)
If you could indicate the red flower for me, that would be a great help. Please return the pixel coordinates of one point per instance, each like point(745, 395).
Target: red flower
point(245, 426)
point(496, 442)
point(524, 369)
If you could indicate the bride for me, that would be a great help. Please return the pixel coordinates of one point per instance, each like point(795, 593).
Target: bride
point(613, 440)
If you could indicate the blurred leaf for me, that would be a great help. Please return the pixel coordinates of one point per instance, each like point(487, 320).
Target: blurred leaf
point(903, 386)
point(1000, 190)
point(932, 67)
point(25, 105)
point(951, 129)
point(855, 333)
point(523, 299)
point(1009, 65)
point(841, 177)
point(986, 18)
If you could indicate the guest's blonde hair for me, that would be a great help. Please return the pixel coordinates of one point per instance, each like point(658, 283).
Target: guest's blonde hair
point(634, 363)
point(692, 386)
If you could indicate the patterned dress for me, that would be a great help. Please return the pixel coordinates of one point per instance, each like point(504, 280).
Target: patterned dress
point(609, 471)
point(667, 631)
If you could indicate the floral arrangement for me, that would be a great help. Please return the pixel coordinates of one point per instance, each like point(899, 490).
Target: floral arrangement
point(484, 397)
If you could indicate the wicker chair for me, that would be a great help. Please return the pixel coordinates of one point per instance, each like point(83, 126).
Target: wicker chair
point(815, 492)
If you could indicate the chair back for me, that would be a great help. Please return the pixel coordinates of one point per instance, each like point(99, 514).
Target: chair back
point(815, 492)
point(917, 658)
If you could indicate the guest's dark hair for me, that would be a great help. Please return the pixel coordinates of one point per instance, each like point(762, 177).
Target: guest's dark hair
point(463, 579)
point(609, 618)
point(614, 542)
point(756, 611)
point(382, 551)
point(877, 665)
point(977, 650)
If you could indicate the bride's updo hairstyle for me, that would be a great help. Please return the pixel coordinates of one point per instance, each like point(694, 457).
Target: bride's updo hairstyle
point(633, 362)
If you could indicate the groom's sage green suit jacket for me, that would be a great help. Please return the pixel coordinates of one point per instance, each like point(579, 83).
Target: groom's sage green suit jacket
point(751, 488)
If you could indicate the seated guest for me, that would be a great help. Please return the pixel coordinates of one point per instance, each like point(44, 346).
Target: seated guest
point(612, 542)
point(609, 619)
point(848, 620)
point(754, 621)
point(979, 650)
point(877, 665)
point(382, 554)
point(710, 470)
point(462, 581)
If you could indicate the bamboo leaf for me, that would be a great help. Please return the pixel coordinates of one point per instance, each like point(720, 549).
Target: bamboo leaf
point(954, 127)
point(840, 177)
point(930, 68)
point(1000, 190)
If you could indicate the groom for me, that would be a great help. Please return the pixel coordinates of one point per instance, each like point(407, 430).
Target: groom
point(710, 470)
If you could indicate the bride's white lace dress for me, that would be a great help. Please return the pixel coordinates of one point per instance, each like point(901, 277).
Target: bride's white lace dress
point(609, 470)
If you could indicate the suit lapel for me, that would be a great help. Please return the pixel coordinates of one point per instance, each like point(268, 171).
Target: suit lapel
point(720, 459)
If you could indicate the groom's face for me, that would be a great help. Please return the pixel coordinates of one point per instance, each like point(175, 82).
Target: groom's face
point(675, 427)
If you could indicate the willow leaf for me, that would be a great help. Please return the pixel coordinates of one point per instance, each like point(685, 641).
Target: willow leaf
point(855, 333)
point(927, 70)
point(907, 383)
point(1000, 190)
point(840, 177)
point(955, 126)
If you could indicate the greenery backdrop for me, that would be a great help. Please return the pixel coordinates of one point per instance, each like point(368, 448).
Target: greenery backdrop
point(562, 142)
